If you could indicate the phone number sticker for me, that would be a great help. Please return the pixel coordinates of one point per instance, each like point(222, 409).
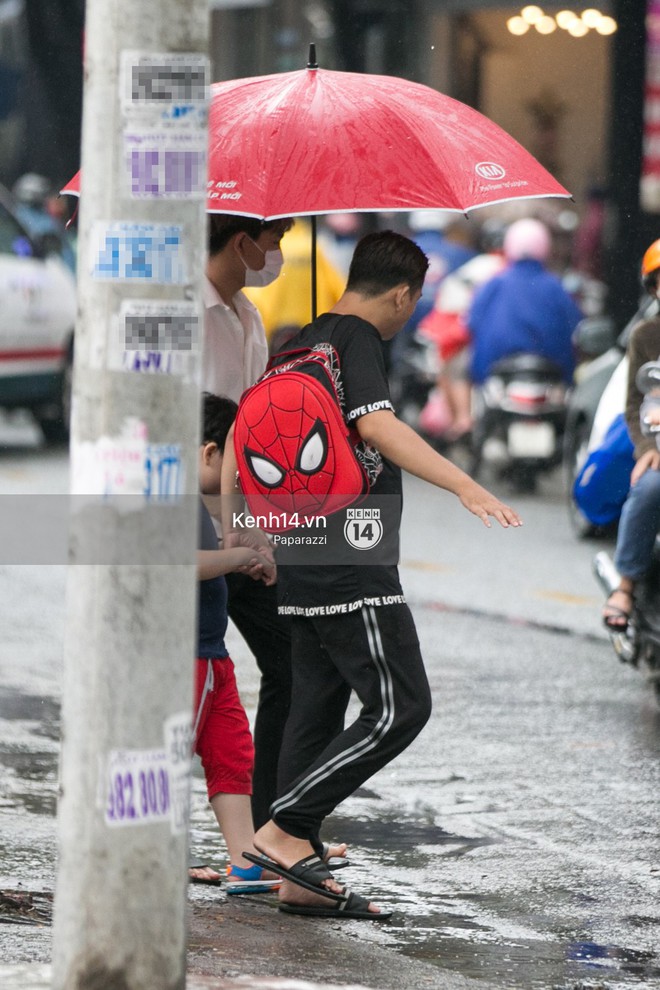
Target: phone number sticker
point(139, 787)
point(178, 742)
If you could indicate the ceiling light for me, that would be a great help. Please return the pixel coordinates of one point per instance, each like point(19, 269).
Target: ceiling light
point(565, 17)
point(546, 25)
point(591, 17)
point(577, 28)
point(606, 25)
point(517, 25)
point(531, 14)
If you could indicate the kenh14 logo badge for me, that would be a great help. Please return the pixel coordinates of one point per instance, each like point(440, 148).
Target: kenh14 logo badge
point(363, 529)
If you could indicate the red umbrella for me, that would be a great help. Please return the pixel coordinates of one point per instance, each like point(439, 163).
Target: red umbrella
point(317, 141)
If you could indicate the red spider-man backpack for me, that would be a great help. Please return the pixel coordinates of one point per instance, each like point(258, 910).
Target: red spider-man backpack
point(295, 455)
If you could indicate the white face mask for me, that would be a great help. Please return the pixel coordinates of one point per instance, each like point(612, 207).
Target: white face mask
point(272, 268)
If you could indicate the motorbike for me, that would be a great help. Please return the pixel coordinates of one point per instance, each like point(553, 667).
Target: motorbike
point(520, 416)
point(639, 643)
point(413, 374)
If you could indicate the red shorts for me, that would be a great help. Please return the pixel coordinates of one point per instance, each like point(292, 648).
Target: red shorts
point(223, 740)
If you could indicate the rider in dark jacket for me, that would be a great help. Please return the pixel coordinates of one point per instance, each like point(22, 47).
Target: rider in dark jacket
point(524, 308)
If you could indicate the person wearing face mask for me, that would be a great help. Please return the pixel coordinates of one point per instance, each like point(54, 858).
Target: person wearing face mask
point(246, 252)
point(242, 252)
point(286, 304)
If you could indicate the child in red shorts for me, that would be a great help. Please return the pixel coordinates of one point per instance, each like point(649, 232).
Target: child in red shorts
point(221, 731)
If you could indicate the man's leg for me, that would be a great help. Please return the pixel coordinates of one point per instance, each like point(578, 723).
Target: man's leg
point(253, 609)
point(376, 652)
point(317, 686)
point(638, 527)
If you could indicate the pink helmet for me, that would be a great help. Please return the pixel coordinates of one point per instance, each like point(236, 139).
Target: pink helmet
point(527, 239)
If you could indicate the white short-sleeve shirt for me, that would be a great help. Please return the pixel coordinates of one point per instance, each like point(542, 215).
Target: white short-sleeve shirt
point(235, 350)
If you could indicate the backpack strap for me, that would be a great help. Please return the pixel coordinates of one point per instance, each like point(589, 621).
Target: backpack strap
point(282, 357)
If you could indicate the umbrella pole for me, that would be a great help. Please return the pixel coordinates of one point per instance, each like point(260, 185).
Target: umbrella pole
point(313, 267)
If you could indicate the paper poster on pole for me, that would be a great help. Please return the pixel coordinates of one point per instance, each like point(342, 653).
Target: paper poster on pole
point(164, 103)
point(156, 337)
point(126, 470)
point(150, 786)
point(151, 253)
point(164, 80)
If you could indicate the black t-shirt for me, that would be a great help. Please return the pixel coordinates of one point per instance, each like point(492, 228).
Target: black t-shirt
point(323, 588)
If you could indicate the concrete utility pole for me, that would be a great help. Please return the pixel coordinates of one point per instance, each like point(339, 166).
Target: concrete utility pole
point(121, 890)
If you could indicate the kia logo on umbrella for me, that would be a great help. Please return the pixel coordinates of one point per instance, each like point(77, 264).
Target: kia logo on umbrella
point(489, 170)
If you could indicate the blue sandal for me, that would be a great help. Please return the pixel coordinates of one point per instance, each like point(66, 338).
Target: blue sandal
point(242, 880)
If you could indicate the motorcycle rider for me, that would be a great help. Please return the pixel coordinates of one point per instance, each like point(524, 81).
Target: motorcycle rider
point(35, 210)
point(640, 517)
point(525, 308)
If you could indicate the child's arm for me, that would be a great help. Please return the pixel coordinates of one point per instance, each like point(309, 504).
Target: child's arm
point(232, 508)
point(400, 444)
point(233, 503)
point(213, 563)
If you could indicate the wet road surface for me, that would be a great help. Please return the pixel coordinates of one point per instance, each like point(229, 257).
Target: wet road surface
point(517, 839)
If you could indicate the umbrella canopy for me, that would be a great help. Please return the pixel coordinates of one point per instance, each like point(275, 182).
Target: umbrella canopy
point(317, 141)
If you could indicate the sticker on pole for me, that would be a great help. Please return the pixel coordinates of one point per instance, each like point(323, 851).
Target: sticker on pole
point(164, 102)
point(138, 252)
point(127, 470)
point(151, 786)
point(164, 81)
point(154, 337)
point(139, 790)
point(178, 742)
point(165, 164)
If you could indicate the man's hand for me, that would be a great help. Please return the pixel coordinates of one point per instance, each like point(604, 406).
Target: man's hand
point(254, 539)
point(257, 565)
point(480, 502)
point(650, 461)
point(399, 443)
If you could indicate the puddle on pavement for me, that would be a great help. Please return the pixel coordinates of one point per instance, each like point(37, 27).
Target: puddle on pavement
point(458, 943)
point(42, 713)
point(30, 781)
point(434, 926)
point(391, 859)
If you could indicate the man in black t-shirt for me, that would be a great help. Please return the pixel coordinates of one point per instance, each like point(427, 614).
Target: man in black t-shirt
point(351, 627)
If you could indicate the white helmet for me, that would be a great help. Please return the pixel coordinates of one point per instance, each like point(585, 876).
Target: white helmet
point(32, 189)
point(527, 238)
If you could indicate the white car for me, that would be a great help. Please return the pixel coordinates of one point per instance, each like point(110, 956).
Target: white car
point(37, 316)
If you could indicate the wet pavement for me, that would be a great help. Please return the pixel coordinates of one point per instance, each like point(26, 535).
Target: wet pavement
point(517, 839)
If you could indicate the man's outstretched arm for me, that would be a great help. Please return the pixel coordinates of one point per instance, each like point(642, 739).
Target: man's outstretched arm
point(400, 444)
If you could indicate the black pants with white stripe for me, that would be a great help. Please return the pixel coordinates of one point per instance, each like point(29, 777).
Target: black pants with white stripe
point(374, 652)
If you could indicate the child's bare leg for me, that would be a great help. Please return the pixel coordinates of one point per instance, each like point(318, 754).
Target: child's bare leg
point(234, 815)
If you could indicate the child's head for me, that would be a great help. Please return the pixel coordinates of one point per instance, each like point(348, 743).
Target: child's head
point(218, 414)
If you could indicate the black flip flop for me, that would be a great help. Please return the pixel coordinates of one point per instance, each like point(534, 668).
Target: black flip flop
point(195, 865)
point(353, 906)
point(617, 619)
point(333, 862)
point(309, 873)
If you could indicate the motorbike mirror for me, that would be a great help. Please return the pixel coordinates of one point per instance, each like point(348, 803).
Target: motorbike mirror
point(647, 378)
point(594, 335)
